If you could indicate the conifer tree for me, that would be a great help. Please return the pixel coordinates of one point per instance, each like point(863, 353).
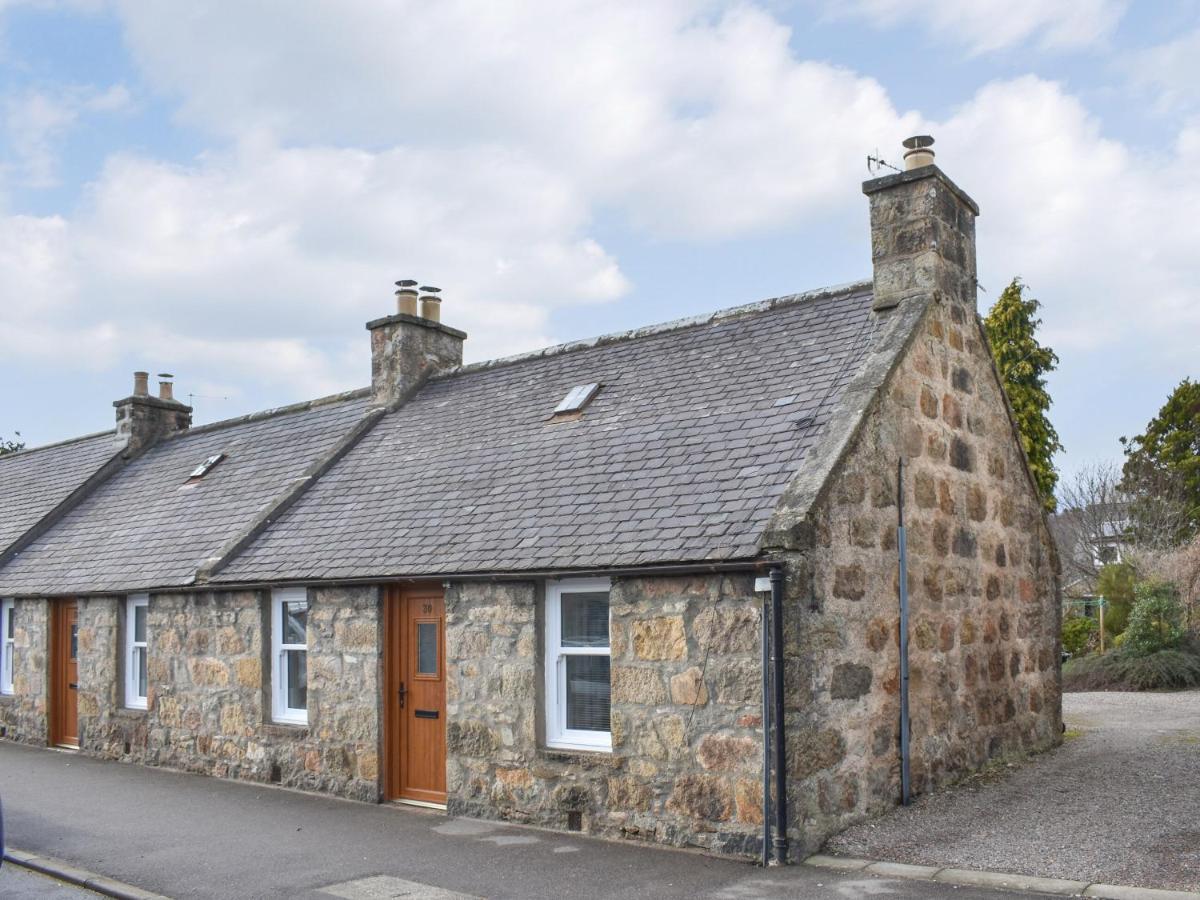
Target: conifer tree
point(1023, 363)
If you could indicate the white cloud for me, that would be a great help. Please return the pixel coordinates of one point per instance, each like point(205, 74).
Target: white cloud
point(687, 116)
point(237, 266)
point(36, 123)
point(984, 26)
point(1098, 229)
point(1171, 71)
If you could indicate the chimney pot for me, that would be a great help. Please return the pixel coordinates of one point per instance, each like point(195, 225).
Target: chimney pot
point(406, 297)
point(141, 384)
point(165, 390)
point(918, 151)
point(431, 304)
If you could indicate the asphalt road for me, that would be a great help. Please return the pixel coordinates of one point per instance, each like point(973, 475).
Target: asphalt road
point(193, 837)
point(1119, 802)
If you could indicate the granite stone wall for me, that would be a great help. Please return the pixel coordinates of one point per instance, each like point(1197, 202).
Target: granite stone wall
point(983, 588)
point(23, 713)
point(209, 702)
point(685, 767)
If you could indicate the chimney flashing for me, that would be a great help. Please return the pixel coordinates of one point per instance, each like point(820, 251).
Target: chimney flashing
point(396, 318)
point(888, 181)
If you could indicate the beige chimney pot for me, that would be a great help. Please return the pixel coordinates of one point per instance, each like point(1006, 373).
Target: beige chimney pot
point(406, 302)
point(431, 307)
point(918, 151)
point(141, 384)
point(165, 391)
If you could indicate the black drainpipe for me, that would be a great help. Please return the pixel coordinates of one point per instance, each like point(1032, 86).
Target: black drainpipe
point(766, 728)
point(781, 836)
point(905, 733)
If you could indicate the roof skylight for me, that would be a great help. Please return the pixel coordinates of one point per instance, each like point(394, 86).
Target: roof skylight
point(577, 399)
point(205, 467)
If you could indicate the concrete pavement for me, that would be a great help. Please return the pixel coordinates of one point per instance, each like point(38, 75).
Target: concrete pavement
point(193, 837)
point(21, 884)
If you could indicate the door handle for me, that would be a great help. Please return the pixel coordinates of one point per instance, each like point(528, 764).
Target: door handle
point(73, 686)
point(403, 690)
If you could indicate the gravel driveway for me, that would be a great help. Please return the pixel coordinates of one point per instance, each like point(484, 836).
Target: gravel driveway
point(1119, 803)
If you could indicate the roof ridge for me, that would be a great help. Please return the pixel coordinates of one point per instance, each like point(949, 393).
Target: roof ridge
point(616, 337)
point(72, 440)
point(302, 406)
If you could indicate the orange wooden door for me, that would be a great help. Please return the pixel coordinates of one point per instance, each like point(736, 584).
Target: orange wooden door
point(415, 695)
point(64, 673)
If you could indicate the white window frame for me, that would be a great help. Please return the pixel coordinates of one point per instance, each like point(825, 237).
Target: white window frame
point(8, 614)
point(280, 711)
point(558, 735)
point(133, 698)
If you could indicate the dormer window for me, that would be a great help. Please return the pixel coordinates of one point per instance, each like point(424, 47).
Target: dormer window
point(576, 400)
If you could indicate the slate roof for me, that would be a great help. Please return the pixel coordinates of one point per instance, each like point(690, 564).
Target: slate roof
point(33, 482)
point(147, 527)
point(681, 456)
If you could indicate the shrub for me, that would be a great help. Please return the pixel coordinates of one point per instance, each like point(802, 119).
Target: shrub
point(1077, 632)
point(1119, 671)
point(1156, 622)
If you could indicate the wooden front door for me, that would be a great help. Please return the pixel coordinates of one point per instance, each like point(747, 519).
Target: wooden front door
point(64, 675)
point(415, 695)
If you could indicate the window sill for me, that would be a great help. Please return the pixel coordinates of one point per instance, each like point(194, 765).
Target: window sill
point(286, 729)
point(596, 759)
point(131, 712)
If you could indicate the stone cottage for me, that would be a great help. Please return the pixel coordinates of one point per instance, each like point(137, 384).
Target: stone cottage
point(532, 589)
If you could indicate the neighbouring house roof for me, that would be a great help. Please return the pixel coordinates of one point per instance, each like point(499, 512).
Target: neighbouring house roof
point(148, 525)
point(681, 455)
point(34, 482)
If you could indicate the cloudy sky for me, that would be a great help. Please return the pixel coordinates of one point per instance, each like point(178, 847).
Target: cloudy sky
point(228, 190)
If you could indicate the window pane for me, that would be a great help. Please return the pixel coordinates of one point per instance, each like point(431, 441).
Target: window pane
point(585, 619)
point(74, 641)
point(295, 621)
point(140, 655)
point(587, 693)
point(297, 679)
point(139, 624)
point(9, 615)
point(427, 635)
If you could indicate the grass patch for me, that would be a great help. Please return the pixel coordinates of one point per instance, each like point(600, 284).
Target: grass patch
point(1169, 670)
point(1072, 733)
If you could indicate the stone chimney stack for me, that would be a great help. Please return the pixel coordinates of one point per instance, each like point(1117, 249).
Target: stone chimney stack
point(406, 348)
point(922, 233)
point(143, 420)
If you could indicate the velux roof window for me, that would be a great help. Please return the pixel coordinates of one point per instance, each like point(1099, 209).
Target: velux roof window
point(205, 467)
point(579, 397)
